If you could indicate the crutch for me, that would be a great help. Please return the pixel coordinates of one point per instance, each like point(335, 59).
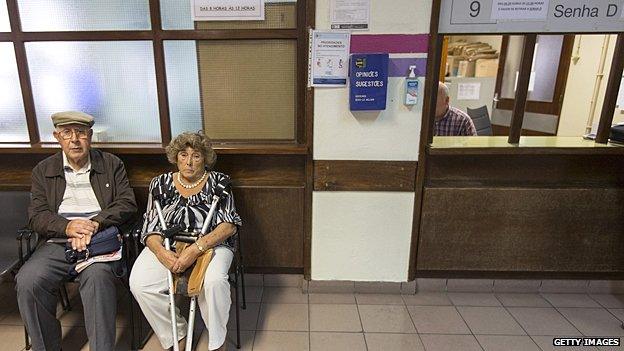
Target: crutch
point(221, 189)
point(157, 194)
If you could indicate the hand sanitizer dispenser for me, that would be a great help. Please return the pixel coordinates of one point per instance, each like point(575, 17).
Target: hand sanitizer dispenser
point(411, 87)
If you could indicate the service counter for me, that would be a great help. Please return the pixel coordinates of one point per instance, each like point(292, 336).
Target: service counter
point(548, 207)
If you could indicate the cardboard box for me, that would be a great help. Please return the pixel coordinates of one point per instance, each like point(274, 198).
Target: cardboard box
point(486, 68)
point(466, 69)
point(452, 65)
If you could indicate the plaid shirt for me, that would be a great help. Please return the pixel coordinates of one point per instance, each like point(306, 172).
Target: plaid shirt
point(454, 123)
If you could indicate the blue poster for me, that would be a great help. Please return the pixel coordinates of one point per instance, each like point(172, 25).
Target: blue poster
point(369, 82)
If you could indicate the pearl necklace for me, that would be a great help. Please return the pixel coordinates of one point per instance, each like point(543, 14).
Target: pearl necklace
point(191, 186)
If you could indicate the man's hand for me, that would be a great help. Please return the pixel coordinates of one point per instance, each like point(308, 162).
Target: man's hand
point(80, 244)
point(79, 228)
point(167, 258)
point(186, 259)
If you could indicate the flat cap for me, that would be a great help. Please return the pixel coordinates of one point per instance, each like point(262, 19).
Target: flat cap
point(72, 117)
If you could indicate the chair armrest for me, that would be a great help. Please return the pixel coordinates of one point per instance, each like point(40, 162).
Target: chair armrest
point(24, 247)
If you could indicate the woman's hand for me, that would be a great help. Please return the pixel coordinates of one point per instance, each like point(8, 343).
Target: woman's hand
point(167, 258)
point(186, 259)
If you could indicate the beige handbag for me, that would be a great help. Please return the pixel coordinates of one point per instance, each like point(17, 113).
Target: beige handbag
point(191, 281)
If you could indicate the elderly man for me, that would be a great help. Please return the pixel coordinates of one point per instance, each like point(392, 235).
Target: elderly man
point(75, 193)
point(450, 121)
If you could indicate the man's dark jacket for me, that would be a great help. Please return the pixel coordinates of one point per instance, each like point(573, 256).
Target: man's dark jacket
point(108, 180)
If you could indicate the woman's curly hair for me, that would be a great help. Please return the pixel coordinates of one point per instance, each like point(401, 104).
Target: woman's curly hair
point(198, 141)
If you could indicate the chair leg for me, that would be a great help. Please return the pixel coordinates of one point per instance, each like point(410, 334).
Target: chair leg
point(238, 343)
point(27, 339)
point(65, 298)
point(242, 278)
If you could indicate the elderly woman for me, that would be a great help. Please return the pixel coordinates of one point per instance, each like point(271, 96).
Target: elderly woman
point(191, 189)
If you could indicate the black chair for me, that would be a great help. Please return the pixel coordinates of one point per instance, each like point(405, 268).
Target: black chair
point(14, 209)
point(481, 119)
point(27, 244)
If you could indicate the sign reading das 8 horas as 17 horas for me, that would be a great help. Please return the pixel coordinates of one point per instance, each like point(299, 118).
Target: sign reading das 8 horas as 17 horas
point(368, 82)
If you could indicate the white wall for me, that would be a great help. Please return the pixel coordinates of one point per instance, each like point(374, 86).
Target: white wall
point(366, 236)
point(575, 111)
point(387, 16)
point(361, 236)
point(392, 134)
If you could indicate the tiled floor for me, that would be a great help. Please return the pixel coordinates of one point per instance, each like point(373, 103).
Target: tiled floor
point(284, 318)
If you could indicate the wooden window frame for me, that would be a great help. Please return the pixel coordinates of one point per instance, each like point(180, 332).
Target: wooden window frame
point(303, 112)
point(544, 107)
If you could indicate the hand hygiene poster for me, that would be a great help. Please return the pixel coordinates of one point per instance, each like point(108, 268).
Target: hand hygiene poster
point(329, 64)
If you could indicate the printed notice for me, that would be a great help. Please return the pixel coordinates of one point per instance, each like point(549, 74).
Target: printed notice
point(520, 10)
point(227, 10)
point(468, 91)
point(329, 59)
point(350, 14)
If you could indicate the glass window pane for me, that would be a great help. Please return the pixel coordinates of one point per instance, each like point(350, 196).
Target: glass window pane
point(182, 86)
point(12, 117)
point(543, 71)
point(545, 67)
point(5, 26)
point(277, 14)
point(113, 81)
point(72, 15)
point(512, 66)
point(248, 88)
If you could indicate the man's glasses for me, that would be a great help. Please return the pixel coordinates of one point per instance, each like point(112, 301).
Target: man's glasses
point(67, 134)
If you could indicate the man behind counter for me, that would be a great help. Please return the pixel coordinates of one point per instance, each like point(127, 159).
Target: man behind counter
point(450, 121)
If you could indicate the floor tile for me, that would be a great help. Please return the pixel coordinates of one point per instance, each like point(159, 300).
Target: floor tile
point(427, 299)
point(507, 343)
point(438, 320)
point(490, 320)
point(10, 316)
point(284, 295)
point(336, 318)
point(609, 301)
point(283, 280)
point(247, 338)
point(430, 284)
point(516, 286)
point(474, 299)
point(378, 287)
point(386, 319)
point(283, 317)
point(564, 286)
point(470, 285)
point(618, 312)
point(379, 299)
point(570, 300)
point(546, 344)
point(254, 280)
point(248, 317)
point(542, 321)
point(252, 294)
point(450, 342)
point(593, 321)
point(281, 341)
point(606, 286)
point(337, 341)
point(523, 300)
point(394, 342)
point(12, 337)
point(331, 286)
point(331, 298)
